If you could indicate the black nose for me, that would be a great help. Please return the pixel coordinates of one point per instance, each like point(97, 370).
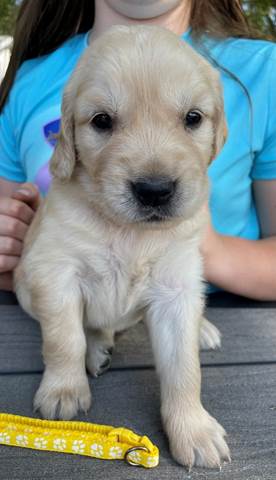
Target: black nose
point(153, 192)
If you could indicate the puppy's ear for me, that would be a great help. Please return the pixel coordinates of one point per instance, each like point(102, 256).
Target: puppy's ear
point(220, 131)
point(64, 158)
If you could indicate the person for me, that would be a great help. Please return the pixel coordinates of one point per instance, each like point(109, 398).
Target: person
point(5, 52)
point(239, 247)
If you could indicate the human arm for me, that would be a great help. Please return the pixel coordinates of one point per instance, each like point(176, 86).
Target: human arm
point(18, 203)
point(246, 267)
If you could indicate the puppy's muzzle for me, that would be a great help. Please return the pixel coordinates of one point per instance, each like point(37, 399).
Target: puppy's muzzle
point(153, 191)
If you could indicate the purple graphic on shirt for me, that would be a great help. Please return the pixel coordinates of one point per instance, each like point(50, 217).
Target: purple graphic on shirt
point(43, 179)
point(51, 130)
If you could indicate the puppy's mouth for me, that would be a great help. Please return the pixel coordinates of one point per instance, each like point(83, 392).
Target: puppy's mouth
point(156, 218)
point(157, 215)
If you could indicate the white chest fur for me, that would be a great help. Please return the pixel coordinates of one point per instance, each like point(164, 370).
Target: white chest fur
point(119, 273)
point(116, 278)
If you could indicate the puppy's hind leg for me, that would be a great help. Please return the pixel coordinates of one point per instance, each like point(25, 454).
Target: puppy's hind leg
point(209, 335)
point(100, 345)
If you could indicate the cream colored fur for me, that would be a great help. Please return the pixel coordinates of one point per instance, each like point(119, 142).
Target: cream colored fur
point(93, 264)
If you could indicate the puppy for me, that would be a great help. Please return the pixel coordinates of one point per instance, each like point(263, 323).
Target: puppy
point(118, 237)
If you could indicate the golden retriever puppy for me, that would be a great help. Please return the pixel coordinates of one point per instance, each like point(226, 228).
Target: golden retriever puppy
point(117, 239)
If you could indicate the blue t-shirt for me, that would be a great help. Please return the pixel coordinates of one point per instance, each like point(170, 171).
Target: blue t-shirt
point(32, 114)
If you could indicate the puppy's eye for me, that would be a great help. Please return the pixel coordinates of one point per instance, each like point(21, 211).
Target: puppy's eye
point(102, 121)
point(193, 119)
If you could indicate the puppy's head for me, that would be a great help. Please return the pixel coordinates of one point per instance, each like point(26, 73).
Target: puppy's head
point(142, 117)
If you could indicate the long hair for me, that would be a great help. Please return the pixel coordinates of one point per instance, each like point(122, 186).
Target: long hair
point(43, 25)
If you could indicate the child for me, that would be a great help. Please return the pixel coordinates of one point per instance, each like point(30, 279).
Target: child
point(240, 244)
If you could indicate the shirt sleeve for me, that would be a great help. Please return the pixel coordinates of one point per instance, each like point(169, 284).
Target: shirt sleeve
point(10, 165)
point(264, 167)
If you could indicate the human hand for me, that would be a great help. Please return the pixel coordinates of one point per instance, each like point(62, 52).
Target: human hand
point(16, 215)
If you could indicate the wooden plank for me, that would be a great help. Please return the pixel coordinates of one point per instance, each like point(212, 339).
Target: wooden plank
point(241, 398)
point(248, 336)
point(20, 341)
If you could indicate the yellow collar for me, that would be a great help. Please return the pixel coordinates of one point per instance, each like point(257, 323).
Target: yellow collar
point(98, 441)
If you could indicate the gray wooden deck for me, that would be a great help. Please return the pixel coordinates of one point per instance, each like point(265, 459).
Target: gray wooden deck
point(239, 389)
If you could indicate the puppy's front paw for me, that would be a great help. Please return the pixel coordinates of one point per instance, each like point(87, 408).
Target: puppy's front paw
point(209, 336)
point(62, 396)
point(197, 440)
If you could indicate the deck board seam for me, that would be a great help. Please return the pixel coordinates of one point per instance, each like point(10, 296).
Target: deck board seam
point(151, 367)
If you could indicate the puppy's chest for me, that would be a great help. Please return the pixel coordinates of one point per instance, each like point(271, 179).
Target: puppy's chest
point(115, 286)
